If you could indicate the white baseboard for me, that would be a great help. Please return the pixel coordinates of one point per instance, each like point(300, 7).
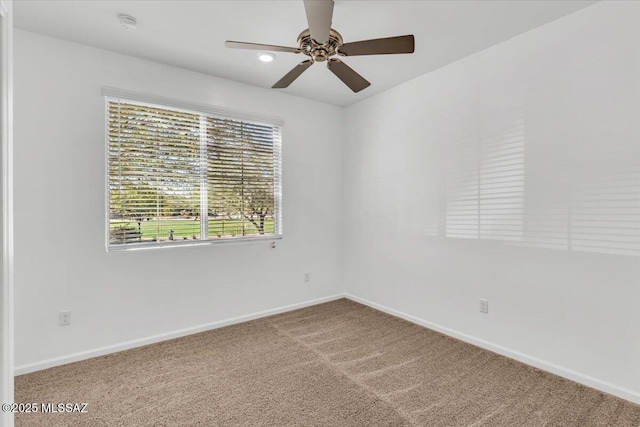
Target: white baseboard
point(578, 377)
point(63, 360)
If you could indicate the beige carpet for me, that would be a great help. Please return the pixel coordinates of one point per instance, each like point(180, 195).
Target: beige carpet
point(334, 364)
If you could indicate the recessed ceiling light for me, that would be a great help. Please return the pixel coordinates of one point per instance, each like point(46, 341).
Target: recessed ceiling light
point(266, 57)
point(128, 22)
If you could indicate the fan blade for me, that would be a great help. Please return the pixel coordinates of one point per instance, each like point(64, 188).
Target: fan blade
point(319, 15)
point(293, 74)
point(349, 77)
point(389, 45)
point(257, 46)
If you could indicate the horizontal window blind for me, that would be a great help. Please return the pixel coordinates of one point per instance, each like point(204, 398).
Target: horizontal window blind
point(178, 176)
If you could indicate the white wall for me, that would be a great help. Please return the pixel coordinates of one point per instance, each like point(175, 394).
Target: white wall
point(61, 263)
point(550, 121)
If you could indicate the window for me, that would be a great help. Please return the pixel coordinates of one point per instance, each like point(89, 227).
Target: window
point(179, 176)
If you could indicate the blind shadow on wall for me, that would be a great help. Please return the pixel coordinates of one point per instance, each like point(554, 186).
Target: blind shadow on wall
point(565, 203)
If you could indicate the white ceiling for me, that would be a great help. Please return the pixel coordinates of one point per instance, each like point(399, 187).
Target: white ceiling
point(191, 34)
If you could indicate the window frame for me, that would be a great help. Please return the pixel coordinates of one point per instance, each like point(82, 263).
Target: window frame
point(113, 94)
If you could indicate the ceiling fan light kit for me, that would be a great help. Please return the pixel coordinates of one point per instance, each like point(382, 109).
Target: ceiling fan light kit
point(319, 15)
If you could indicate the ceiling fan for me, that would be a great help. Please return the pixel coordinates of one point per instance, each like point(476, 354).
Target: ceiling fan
point(321, 43)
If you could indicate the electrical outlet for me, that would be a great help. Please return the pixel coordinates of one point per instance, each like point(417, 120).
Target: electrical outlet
point(65, 318)
point(484, 306)
point(307, 277)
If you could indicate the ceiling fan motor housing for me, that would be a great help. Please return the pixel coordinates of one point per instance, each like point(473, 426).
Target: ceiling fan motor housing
point(319, 51)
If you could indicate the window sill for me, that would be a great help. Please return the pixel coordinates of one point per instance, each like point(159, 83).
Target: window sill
point(189, 243)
